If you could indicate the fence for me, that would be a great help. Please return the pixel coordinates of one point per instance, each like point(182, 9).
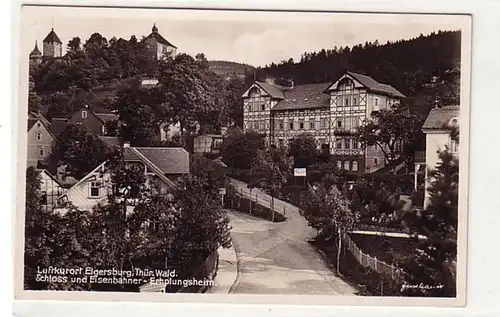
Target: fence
point(371, 262)
point(248, 201)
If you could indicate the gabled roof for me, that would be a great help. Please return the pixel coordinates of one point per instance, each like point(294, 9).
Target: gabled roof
point(105, 117)
point(272, 90)
point(374, 85)
point(50, 176)
point(157, 36)
point(58, 125)
point(309, 96)
point(112, 140)
point(170, 160)
point(52, 38)
point(134, 155)
point(370, 84)
point(34, 118)
point(439, 118)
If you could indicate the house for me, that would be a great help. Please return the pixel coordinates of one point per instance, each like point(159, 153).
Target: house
point(50, 190)
point(162, 166)
point(331, 112)
point(40, 139)
point(158, 45)
point(96, 122)
point(437, 138)
point(208, 143)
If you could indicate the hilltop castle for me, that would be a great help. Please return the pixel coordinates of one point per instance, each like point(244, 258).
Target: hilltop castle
point(52, 46)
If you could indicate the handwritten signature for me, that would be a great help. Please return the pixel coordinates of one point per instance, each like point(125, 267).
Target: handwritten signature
point(421, 286)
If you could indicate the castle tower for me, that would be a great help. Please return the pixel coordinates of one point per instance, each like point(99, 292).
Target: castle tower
point(35, 55)
point(52, 45)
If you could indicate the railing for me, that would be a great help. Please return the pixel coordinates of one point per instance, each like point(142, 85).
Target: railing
point(371, 262)
point(420, 157)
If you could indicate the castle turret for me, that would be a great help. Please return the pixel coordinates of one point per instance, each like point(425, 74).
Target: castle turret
point(158, 45)
point(35, 55)
point(52, 45)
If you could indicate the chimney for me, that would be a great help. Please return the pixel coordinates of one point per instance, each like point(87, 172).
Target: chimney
point(436, 103)
point(126, 144)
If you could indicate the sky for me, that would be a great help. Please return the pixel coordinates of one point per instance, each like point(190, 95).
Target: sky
point(255, 38)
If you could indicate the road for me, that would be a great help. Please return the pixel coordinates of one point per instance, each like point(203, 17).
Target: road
point(275, 258)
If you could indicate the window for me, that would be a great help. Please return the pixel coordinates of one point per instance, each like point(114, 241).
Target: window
point(41, 151)
point(262, 125)
point(290, 125)
point(312, 125)
point(376, 102)
point(453, 146)
point(280, 125)
point(346, 165)
point(339, 165)
point(339, 123)
point(338, 143)
point(323, 124)
point(347, 143)
point(375, 161)
point(355, 122)
point(281, 142)
point(43, 197)
point(262, 107)
point(38, 136)
point(95, 189)
point(38, 125)
point(346, 101)
point(256, 125)
point(355, 101)
point(354, 165)
point(84, 114)
point(355, 144)
point(301, 125)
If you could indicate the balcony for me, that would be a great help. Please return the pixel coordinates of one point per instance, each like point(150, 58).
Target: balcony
point(344, 131)
point(420, 157)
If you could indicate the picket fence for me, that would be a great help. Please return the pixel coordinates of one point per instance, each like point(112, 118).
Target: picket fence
point(371, 262)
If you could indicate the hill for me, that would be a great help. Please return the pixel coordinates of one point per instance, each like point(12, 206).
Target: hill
point(227, 67)
point(408, 65)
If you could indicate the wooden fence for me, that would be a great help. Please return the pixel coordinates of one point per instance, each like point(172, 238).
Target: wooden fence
point(371, 262)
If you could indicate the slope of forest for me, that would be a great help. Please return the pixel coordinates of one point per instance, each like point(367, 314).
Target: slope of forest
point(408, 65)
point(227, 67)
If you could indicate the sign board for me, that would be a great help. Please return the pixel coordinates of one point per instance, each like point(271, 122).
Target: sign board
point(222, 191)
point(300, 172)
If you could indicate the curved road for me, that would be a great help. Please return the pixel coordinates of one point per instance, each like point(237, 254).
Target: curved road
point(275, 258)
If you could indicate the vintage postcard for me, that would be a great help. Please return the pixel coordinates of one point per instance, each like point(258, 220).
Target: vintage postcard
point(243, 156)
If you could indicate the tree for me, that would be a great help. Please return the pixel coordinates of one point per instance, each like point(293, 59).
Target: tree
point(393, 131)
point(303, 149)
point(271, 170)
point(239, 149)
point(80, 151)
point(204, 225)
point(327, 210)
point(434, 261)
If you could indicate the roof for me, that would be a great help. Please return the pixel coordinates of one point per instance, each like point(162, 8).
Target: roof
point(50, 176)
point(52, 38)
point(170, 160)
point(58, 125)
point(112, 140)
point(374, 85)
point(305, 97)
point(34, 118)
point(439, 118)
point(159, 38)
point(272, 90)
point(105, 117)
point(35, 50)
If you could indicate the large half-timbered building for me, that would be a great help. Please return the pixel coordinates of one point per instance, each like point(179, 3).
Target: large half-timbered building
point(331, 112)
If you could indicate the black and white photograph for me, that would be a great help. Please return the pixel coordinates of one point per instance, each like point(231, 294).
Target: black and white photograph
point(218, 152)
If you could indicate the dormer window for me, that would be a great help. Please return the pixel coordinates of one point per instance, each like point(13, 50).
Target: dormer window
point(84, 114)
point(38, 136)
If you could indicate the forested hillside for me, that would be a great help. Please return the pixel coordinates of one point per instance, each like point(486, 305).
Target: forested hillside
point(227, 67)
point(408, 65)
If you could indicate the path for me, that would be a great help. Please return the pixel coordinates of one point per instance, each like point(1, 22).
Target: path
point(275, 258)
